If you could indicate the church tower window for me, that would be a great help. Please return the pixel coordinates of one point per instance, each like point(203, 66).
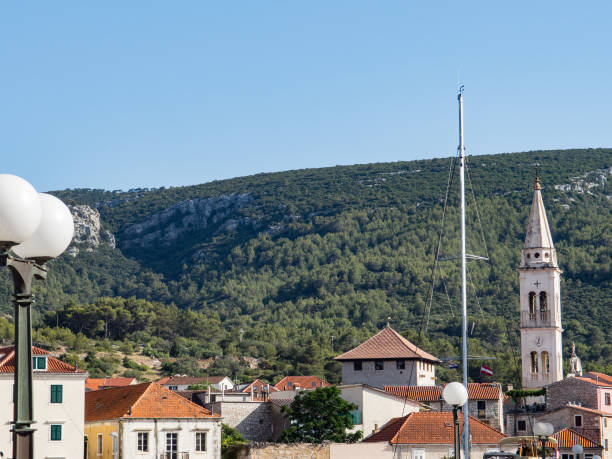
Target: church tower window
point(534, 362)
point(543, 302)
point(532, 304)
point(545, 362)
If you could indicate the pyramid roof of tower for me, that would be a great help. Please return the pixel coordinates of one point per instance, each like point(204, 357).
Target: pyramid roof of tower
point(387, 344)
point(538, 231)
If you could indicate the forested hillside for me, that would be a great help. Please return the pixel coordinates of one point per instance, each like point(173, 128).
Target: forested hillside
point(276, 273)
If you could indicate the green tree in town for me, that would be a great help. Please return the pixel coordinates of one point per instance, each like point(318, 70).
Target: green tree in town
point(318, 416)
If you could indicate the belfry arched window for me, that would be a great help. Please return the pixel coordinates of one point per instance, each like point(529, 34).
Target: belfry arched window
point(543, 302)
point(534, 362)
point(532, 302)
point(545, 362)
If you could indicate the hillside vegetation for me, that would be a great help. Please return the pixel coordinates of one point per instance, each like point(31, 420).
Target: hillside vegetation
point(288, 269)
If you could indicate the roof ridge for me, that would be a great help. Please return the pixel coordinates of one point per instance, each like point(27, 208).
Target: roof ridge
point(183, 399)
point(399, 429)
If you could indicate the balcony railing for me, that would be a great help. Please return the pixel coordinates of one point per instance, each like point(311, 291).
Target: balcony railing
point(183, 455)
point(536, 319)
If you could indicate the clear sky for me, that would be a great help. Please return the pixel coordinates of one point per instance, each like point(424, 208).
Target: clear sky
point(125, 94)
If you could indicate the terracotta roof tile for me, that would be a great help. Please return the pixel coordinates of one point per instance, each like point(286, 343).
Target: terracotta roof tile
point(181, 380)
point(432, 428)
point(7, 362)
point(259, 386)
point(387, 344)
point(568, 438)
point(418, 393)
point(104, 383)
point(476, 391)
point(302, 382)
point(147, 400)
point(599, 380)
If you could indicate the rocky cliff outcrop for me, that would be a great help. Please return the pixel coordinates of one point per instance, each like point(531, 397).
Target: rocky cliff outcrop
point(165, 227)
point(88, 231)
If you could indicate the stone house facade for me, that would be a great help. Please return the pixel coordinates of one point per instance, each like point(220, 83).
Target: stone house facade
point(254, 420)
point(388, 359)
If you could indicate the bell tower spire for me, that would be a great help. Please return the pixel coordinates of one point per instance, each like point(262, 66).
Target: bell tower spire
point(540, 290)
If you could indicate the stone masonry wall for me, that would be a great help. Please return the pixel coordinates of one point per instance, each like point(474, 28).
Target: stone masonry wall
point(282, 450)
point(252, 419)
point(571, 390)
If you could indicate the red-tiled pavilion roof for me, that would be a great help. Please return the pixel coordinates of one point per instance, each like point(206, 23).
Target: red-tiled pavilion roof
point(387, 344)
point(567, 438)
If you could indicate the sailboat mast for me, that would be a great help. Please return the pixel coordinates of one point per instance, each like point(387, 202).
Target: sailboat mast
point(466, 423)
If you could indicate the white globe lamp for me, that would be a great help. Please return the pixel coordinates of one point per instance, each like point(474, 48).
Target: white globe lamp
point(455, 394)
point(54, 233)
point(20, 210)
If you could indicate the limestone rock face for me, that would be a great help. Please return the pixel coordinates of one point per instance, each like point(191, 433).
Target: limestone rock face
point(165, 227)
point(88, 230)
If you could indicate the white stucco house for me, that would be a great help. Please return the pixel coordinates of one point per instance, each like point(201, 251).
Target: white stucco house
point(58, 404)
point(147, 421)
point(182, 382)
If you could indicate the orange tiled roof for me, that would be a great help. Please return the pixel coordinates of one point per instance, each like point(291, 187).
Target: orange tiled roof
point(418, 393)
point(259, 386)
point(303, 382)
point(476, 391)
point(7, 362)
point(568, 438)
point(387, 344)
point(97, 383)
point(432, 428)
point(598, 381)
point(182, 379)
point(146, 400)
point(599, 376)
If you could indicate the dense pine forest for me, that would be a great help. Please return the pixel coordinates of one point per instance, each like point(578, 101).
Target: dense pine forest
point(275, 274)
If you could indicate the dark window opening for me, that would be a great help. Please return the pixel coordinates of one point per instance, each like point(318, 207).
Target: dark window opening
point(401, 365)
point(357, 365)
point(543, 302)
point(378, 365)
point(521, 426)
point(578, 421)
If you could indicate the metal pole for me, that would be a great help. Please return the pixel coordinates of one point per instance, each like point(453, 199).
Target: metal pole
point(456, 424)
point(23, 272)
point(466, 421)
point(543, 440)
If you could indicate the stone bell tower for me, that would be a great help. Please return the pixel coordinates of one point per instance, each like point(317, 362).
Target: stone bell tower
point(539, 277)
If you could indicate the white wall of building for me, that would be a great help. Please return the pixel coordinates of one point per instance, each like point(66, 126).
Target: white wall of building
point(157, 430)
point(376, 407)
point(70, 414)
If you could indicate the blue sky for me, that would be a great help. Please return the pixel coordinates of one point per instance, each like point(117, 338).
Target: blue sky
point(120, 95)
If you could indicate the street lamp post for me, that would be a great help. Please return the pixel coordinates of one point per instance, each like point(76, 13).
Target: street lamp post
point(455, 394)
point(543, 430)
point(34, 228)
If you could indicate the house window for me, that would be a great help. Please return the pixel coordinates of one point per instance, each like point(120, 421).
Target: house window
point(172, 444)
point(606, 444)
point(400, 364)
point(175, 388)
point(56, 432)
point(56, 393)
point(143, 441)
point(418, 454)
point(481, 406)
point(521, 426)
point(356, 365)
point(39, 363)
point(607, 397)
point(378, 365)
point(200, 438)
point(99, 451)
point(289, 384)
point(588, 455)
point(578, 420)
